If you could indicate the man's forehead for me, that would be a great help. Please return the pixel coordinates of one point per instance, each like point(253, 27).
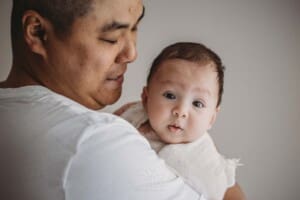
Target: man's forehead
point(130, 5)
point(118, 12)
point(135, 7)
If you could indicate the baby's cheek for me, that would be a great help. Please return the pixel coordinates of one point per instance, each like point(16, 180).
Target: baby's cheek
point(197, 129)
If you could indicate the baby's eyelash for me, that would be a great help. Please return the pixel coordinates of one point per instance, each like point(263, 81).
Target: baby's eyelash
point(198, 104)
point(169, 95)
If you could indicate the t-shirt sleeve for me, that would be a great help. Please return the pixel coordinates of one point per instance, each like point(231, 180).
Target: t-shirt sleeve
point(113, 161)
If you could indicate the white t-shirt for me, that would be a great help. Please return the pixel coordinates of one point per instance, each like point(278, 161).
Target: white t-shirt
point(55, 149)
point(198, 162)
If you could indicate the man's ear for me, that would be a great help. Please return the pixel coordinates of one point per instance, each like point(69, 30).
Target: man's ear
point(144, 96)
point(35, 32)
point(214, 117)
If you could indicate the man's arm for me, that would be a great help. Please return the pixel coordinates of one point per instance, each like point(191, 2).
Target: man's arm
point(112, 161)
point(234, 193)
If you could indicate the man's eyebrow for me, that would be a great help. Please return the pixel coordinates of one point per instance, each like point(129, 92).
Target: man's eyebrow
point(119, 25)
point(114, 26)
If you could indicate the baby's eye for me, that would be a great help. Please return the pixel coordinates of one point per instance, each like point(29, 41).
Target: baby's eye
point(169, 95)
point(198, 104)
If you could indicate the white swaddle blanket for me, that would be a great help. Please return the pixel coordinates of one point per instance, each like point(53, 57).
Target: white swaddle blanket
point(198, 162)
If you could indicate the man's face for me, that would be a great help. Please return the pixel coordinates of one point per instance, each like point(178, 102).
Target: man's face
point(88, 65)
point(181, 99)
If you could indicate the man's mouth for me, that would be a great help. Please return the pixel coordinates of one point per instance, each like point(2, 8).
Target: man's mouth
point(118, 79)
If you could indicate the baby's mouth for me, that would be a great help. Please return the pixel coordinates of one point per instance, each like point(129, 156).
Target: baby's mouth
point(175, 128)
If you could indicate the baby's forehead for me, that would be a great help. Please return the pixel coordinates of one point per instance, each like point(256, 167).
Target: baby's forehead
point(187, 74)
point(180, 66)
point(184, 63)
point(191, 78)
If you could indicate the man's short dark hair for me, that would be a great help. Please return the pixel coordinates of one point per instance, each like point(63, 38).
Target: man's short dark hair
point(61, 13)
point(193, 52)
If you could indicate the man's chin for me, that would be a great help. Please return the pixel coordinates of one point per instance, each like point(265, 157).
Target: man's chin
point(110, 99)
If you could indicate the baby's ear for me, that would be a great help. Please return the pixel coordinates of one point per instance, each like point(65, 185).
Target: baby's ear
point(218, 109)
point(144, 96)
point(214, 117)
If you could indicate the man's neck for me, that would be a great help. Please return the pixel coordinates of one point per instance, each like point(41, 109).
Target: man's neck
point(18, 78)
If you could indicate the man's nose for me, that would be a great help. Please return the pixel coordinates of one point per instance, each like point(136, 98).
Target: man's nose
point(128, 52)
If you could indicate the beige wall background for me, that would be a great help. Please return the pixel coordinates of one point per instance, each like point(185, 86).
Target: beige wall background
point(259, 42)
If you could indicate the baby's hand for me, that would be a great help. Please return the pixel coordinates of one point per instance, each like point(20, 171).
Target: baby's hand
point(145, 128)
point(121, 110)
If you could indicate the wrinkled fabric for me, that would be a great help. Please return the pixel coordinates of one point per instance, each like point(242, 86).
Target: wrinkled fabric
point(199, 162)
point(54, 148)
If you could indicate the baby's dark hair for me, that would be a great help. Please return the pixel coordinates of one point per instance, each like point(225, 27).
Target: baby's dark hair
point(193, 52)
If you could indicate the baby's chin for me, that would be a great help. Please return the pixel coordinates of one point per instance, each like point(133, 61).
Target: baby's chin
point(177, 138)
point(173, 139)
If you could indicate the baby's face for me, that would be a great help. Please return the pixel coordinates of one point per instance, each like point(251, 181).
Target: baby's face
point(181, 99)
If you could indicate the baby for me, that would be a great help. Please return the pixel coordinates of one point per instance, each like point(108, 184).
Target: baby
point(179, 105)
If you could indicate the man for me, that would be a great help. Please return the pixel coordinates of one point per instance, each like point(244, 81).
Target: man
point(69, 58)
